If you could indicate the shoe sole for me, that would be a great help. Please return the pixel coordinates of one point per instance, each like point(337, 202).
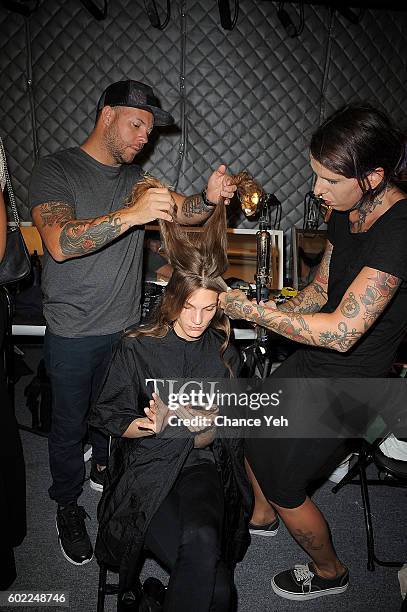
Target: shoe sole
point(87, 455)
point(66, 556)
point(95, 486)
point(263, 532)
point(307, 596)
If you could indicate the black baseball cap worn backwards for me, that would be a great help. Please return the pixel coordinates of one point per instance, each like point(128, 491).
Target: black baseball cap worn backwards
point(135, 95)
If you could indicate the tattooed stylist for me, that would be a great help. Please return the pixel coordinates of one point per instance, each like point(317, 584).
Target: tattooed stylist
point(351, 318)
point(92, 276)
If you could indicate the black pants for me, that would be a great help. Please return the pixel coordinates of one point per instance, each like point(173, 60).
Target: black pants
point(76, 367)
point(185, 536)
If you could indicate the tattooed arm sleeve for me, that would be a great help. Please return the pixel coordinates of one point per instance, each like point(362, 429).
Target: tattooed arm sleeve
point(66, 237)
point(362, 304)
point(313, 296)
point(191, 210)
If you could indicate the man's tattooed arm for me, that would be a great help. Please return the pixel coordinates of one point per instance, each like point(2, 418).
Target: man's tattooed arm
point(82, 237)
point(314, 296)
point(194, 210)
point(55, 213)
point(66, 237)
point(362, 304)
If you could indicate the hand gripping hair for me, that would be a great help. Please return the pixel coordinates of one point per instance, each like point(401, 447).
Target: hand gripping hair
point(199, 254)
point(198, 258)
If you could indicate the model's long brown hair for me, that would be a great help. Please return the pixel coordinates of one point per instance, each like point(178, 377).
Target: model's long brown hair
point(198, 259)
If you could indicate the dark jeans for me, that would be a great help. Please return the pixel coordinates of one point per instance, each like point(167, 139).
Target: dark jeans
point(76, 367)
point(185, 535)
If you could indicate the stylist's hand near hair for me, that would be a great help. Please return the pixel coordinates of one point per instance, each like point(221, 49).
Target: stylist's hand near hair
point(155, 203)
point(220, 185)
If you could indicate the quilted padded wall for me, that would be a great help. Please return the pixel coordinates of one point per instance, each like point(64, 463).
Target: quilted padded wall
point(15, 123)
point(248, 97)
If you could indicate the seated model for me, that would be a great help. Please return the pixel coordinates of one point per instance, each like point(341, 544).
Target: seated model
point(183, 496)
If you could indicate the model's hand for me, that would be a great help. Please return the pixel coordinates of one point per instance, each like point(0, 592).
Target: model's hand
point(205, 438)
point(206, 418)
point(157, 414)
point(220, 186)
point(155, 203)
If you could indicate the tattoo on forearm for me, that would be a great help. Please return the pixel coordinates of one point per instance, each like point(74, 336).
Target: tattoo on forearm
point(292, 325)
point(55, 213)
point(311, 299)
point(340, 340)
point(299, 325)
point(306, 539)
point(350, 307)
point(378, 295)
point(308, 301)
point(194, 205)
point(82, 237)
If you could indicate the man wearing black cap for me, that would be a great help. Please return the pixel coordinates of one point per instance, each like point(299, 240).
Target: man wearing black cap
point(92, 276)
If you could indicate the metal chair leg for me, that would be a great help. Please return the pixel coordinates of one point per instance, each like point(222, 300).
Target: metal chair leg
point(348, 478)
point(372, 558)
point(366, 457)
point(368, 516)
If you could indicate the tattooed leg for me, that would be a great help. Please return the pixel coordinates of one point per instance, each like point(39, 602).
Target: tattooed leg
point(263, 511)
point(309, 528)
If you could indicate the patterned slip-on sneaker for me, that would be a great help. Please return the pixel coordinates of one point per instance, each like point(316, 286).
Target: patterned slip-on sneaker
point(265, 530)
point(300, 584)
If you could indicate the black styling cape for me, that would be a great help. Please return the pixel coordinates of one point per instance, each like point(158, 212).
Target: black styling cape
point(142, 471)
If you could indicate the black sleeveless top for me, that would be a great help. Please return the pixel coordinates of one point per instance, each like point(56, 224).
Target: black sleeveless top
point(383, 247)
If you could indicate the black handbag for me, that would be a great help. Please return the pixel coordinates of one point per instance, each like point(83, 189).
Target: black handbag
point(16, 263)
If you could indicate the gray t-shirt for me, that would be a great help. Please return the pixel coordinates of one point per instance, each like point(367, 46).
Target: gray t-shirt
point(99, 293)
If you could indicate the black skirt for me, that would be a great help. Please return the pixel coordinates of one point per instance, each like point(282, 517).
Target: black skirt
point(286, 467)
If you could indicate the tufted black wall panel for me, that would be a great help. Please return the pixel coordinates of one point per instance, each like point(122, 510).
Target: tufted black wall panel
point(249, 97)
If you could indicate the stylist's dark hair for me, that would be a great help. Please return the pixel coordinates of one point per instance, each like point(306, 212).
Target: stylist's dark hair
point(356, 140)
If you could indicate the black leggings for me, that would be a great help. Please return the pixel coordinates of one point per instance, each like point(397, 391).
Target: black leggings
point(185, 535)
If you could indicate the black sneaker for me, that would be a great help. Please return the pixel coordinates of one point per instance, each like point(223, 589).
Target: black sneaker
point(270, 529)
point(73, 537)
point(153, 596)
point(97, 477)
point(130, 600)
point(301, 584)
